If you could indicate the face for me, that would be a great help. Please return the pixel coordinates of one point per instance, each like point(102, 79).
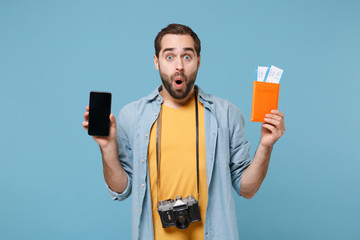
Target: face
point(178, 64)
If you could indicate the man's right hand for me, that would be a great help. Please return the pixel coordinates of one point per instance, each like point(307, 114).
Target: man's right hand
point(104, 142)
point(114, 174)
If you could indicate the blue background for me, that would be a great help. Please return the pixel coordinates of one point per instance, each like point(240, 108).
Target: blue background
point(53, 53)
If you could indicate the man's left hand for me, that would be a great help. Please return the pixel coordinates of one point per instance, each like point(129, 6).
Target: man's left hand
point(273, 128)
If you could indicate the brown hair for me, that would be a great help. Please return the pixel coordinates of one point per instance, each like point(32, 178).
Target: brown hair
point(179, 30)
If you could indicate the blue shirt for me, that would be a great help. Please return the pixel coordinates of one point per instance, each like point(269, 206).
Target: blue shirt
point(227, 156)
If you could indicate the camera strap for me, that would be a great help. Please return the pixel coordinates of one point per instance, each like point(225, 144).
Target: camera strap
point(158, 147)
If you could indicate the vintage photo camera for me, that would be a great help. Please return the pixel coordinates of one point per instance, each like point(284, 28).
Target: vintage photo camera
point(179, 212)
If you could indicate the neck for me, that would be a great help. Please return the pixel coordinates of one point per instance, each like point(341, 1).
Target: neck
point(173, 102)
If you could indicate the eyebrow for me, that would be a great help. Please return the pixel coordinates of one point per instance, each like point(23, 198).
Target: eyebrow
point(190, 49)
point(185, 49)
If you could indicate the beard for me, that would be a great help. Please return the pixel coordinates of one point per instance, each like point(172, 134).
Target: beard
point(167, 81)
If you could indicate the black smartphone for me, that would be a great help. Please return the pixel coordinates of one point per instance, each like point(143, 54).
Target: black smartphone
point(99, 113)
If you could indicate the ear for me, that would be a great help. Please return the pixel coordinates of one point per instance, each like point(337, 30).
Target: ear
point(156, 62)
point(199, 60)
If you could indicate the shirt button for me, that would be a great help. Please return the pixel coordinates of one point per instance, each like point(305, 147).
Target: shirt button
point(155, 114)
point(140, 209)
point(142, 160)
point(159, 98)
point(142, 185)
point(146, 135)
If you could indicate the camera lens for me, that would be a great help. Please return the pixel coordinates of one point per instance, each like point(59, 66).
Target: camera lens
point(182, 220)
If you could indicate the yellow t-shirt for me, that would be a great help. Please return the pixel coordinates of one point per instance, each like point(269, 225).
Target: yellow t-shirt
point(178, 174)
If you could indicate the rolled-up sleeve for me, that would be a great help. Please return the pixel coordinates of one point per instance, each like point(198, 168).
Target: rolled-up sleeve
point(125, 153)
point(120, 196)
point(239, 148)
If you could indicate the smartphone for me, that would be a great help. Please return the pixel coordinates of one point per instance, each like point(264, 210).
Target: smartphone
point(99, 113)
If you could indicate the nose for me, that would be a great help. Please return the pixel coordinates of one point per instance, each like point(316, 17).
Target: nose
point(179, 65)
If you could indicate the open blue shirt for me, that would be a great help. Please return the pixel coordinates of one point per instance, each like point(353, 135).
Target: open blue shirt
point(227, 156)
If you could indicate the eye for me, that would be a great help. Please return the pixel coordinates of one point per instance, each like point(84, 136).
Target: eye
point(187, 57)
point(169, 57)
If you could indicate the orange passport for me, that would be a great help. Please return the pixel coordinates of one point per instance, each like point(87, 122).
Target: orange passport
point(265, 98)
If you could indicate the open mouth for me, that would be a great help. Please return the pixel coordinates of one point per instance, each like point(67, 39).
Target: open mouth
point(178, 82)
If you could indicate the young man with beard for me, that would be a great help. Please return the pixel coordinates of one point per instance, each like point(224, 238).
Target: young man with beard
point(180, 141)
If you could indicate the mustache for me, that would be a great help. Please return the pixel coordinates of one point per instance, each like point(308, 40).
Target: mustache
point(178, 74)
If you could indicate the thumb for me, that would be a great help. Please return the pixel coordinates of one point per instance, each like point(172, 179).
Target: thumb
point(112, 126)
point(112, 120)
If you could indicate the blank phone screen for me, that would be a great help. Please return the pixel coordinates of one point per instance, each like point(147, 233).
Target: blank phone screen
point(100, 108)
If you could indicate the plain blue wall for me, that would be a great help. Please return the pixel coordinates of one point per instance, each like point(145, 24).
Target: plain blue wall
point(52, 53)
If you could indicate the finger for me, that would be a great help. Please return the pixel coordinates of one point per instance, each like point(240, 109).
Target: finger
point(87, 108)
point(270, 127)
point(112, 117)
point(277, 112)
point(85, 125)
point(86, 116)
point(112, 120)
point(274, 122)
point(273, 116)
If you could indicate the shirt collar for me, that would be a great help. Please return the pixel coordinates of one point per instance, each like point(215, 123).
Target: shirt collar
point(156, 95)
point(204, 97)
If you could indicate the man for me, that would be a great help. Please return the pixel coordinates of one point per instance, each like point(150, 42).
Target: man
point(181, 141)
